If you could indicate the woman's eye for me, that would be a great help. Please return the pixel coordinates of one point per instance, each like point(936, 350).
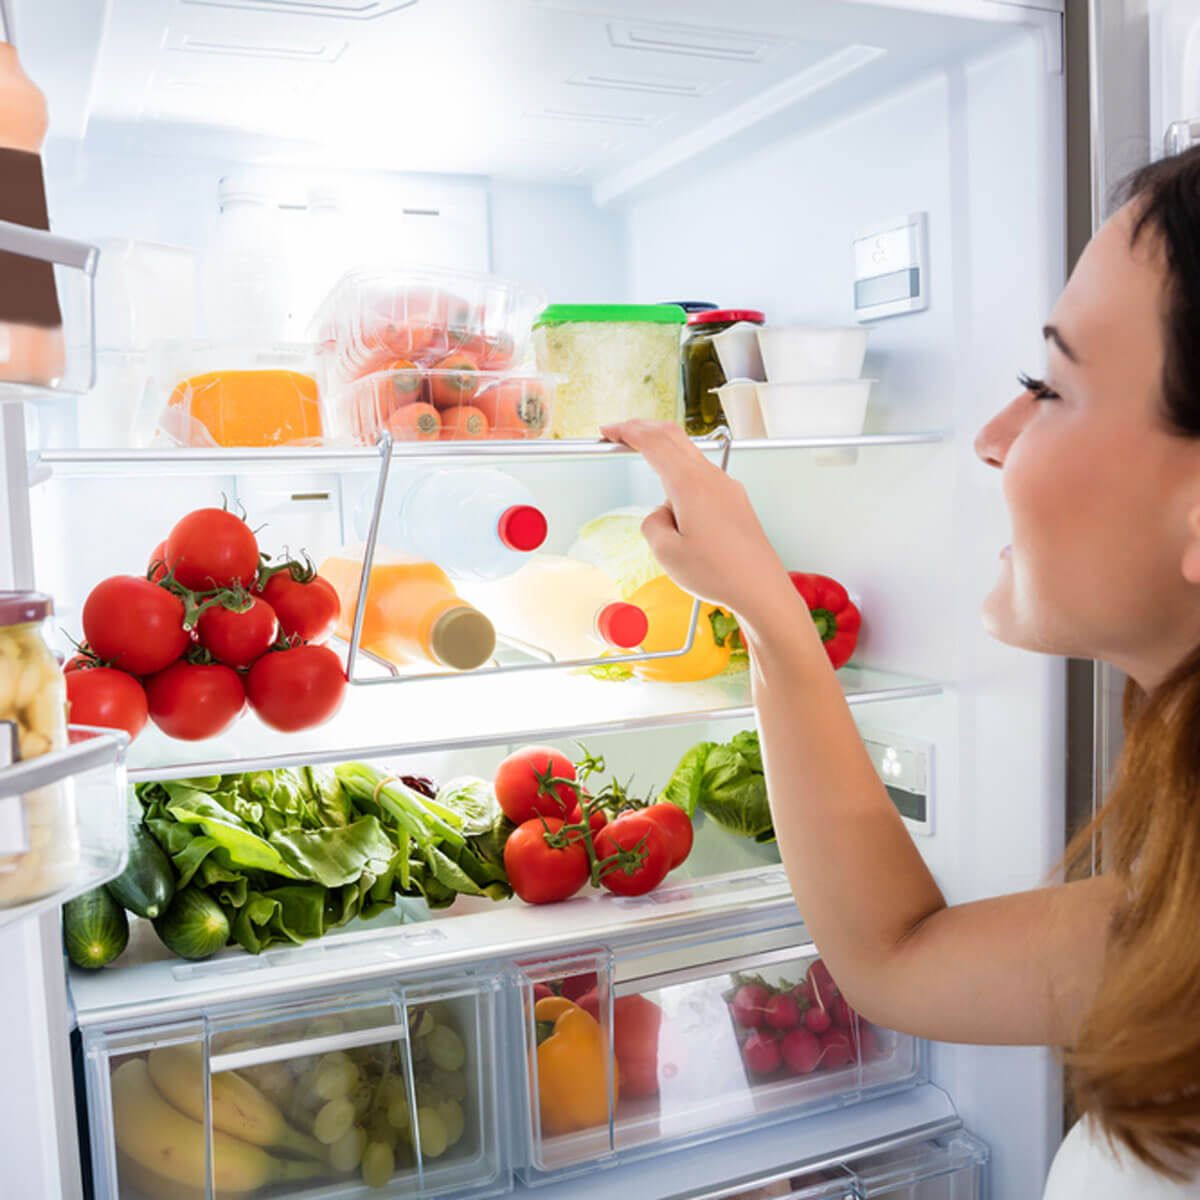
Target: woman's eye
point(1038, 388)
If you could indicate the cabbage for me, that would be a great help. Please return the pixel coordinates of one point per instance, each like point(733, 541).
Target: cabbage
point(726, 781)
point(613, 542)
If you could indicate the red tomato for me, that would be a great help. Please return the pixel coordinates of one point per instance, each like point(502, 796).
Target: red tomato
point(211, 548)
point(463, 424)
point(520, 793)
point(540, 873)
point(514, 408)
point(134, 624)
point(636, 1025)
point(634, 831)
point(108, 698)
point(156, 569)
point(456, 381)
point(238, 639)
point(596, 821)
point(575, 986)
point(296, 688)
point(415, 423)
point(192, 701)
point(306, 610)
point(677, 825)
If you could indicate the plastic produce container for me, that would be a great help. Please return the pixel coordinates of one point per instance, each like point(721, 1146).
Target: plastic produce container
point(695, 1052)
point(804, 353)
point(795, 410)
point(616, 361)
point(389, 1091)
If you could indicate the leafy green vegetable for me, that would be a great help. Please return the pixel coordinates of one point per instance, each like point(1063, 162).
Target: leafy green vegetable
point(473, 800)
point(726, 781)
point(683, 788)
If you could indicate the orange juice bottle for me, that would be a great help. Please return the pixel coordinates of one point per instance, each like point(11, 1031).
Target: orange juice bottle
point(31, 336)
point(412, 613)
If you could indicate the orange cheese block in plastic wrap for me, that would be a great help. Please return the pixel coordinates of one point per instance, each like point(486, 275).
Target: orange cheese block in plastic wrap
point(244, 408)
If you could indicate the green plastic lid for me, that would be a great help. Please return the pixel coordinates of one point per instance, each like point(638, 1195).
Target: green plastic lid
point(646, 314)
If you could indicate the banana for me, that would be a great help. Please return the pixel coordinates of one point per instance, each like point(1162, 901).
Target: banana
point(149, 1184)
point(160, 1139)
point(238, 1107)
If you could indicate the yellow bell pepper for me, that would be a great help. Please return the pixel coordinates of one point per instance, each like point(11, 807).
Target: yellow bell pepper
point(668, 608)
point(573, 1066)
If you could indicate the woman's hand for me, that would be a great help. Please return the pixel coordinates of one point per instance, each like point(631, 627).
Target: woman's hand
point(706, 535)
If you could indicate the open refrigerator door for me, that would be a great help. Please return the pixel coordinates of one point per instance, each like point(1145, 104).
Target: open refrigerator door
point(398, 1032)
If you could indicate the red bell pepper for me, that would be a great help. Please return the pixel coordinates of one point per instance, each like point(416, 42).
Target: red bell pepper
point(836, 618)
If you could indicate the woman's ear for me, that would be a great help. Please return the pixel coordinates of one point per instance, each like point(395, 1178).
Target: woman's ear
point(1190, 566)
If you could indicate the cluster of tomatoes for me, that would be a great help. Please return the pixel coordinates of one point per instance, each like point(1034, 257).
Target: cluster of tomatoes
point(210, 629)
point(565, 838)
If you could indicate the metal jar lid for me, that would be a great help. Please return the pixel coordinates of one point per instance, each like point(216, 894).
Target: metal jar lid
point(22, 608)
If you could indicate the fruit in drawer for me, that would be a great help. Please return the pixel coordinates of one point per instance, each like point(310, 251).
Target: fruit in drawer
point(781, 1011)
point(238, 1107)
point(836, 1050)
point(760, 1051)
point(750, 1005)
point(637, 1024)
point(161, 1139)
point(573, 1068)
point(801, 1051)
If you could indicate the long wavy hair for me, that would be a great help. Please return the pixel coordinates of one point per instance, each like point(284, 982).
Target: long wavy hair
point(1136, 1065)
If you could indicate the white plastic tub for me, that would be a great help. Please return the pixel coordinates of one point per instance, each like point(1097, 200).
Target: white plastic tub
point(738, 352)
point(807, 354)
point(825, 409)
point(739, 401)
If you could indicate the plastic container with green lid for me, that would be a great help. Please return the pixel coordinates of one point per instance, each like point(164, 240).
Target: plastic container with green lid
point(615, 362)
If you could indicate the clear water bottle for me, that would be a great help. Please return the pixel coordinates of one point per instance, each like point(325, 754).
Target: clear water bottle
point(476, 523)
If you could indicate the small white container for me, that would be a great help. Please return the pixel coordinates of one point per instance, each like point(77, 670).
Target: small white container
point(738, 352)
point(739, 401)
point(808, 354)
point(836, 408)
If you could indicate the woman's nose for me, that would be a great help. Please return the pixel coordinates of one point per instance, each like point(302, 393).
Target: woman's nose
point(994, 440)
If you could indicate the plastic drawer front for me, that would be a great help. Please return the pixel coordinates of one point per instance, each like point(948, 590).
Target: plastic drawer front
point(393, 1089)
point(656, 1062)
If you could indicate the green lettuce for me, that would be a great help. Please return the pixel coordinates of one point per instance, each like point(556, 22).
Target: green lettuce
point(726, 782)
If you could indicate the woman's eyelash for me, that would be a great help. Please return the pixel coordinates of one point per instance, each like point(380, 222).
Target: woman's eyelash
point(1038, 387)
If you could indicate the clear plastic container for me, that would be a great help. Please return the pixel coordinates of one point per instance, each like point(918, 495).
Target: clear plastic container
point(616, 362)
point(379, 1092)
point(476, 523)
point(373, 318)
point(697, 1051)
point(39, 829)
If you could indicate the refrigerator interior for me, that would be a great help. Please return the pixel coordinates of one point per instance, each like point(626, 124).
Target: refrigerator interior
point(604, 151)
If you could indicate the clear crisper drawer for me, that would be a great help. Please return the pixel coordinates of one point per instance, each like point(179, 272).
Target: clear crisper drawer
point(689, 1054)
point(392, 1092)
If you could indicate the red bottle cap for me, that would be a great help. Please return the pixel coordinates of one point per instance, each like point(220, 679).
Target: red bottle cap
point(522, 527)
point(722, 315)
point(622, 625)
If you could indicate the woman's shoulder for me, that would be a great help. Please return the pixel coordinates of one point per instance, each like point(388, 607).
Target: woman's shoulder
point(1087, 1167)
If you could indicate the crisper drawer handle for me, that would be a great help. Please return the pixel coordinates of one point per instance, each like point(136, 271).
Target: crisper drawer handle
point(282, 1051)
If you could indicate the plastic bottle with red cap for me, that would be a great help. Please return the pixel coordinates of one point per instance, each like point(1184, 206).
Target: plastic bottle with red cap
point(476, 523)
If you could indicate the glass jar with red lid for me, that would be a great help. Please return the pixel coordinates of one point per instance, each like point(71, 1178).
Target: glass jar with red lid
point(702, 368)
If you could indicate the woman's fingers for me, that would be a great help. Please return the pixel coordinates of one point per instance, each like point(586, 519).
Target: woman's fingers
point(665, 446)
point(660, 531)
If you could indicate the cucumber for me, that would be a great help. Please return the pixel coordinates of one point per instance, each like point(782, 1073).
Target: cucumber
point(95, 929)
point(194, 926)
point(147, 884)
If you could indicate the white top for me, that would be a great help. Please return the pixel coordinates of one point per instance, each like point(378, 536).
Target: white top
point(1086, 1168)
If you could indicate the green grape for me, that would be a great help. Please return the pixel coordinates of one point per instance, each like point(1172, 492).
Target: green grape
point(334, 1079)
point(333, 1120)
point(450, 1083)
point(378, 1163)
point(303, 1064)
point(451, 1113)
point(305, 1092)
point(420, 1050)
point(270, 1077)
point(391, 1089)
point(428, 1095)
point(364, 1094)
point(431, 1130)
point(426, 1024)
point(398, 1115)
point(346, 1153)
point(380, 1129)
point(446, 1049)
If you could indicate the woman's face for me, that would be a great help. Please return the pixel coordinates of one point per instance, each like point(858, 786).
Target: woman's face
point(1104, 499)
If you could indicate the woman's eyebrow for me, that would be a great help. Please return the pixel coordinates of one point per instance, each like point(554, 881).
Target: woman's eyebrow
point(1051, 334)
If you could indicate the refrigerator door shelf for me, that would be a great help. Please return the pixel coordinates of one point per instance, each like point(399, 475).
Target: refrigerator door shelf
point(698, 1051)
point(398, 1084)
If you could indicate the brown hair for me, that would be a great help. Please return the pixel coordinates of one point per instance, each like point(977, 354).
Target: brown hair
point(1136, 1065)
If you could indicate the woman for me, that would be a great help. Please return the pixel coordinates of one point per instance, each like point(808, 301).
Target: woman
point(1101, 475)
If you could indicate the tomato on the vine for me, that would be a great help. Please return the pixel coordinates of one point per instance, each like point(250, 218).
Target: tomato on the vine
point(212, 548)
point(134, 624)
point(520, 792)
point(539, 872)
point(156, 568)
point(307, 609)
point(106, 697)
point(634, 835)
point(238, 638)
point(192, 701)
point(296, 688)
point(677, 825)
point(597, 818)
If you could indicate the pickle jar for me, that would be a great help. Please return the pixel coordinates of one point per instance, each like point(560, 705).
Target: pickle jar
point(39, 830)
point(702, 370)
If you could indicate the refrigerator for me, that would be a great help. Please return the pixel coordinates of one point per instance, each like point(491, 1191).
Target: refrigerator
point(604, 151)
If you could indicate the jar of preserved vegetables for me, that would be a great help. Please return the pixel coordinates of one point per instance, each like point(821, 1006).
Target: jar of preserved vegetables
point(39, 830)
point(702, 368)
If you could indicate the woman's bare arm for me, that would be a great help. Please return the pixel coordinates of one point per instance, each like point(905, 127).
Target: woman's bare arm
point(1015, 969)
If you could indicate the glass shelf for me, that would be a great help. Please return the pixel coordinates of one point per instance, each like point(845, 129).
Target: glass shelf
point(491, 708)
point(188, 460)
point(85, 783)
